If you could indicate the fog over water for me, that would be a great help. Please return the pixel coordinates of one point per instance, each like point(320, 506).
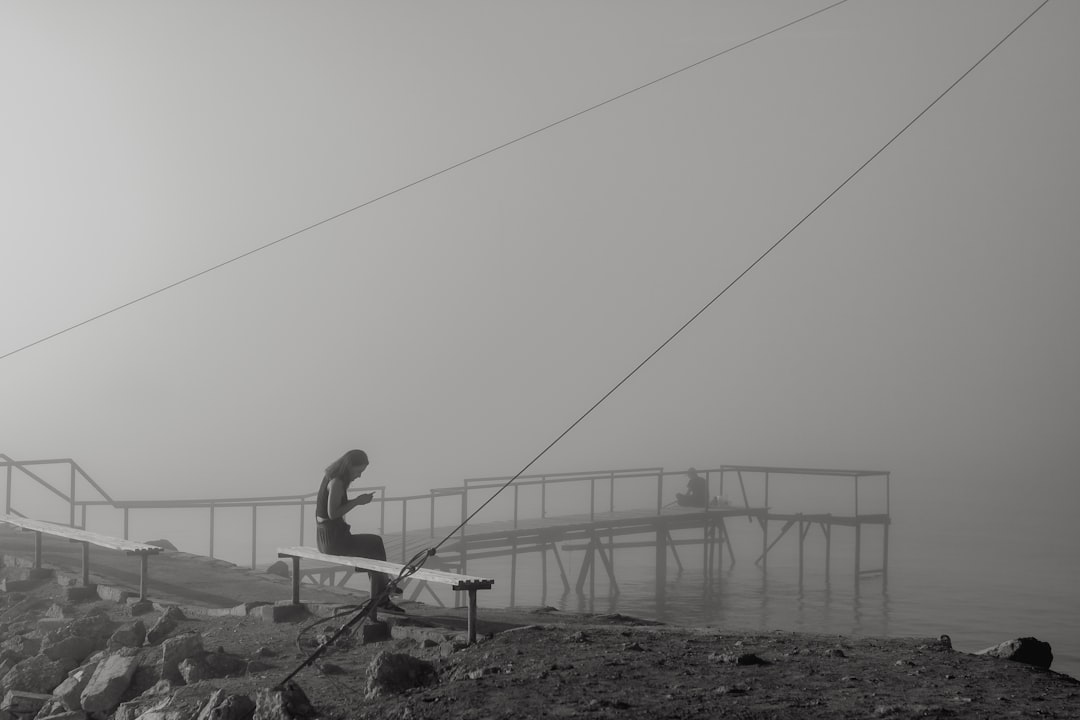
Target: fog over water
point(921, 322)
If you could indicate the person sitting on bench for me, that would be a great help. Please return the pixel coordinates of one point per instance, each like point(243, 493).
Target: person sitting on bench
point(333, 534)
point(697, 491)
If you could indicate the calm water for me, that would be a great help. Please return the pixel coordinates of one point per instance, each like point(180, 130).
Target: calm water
point(978, 588)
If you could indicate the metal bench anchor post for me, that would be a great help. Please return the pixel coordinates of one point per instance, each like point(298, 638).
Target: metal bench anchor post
point(472, 616)
point(143, 562)
point(85, 564)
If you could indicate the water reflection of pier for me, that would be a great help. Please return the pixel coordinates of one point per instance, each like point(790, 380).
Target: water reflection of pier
point(664, 527)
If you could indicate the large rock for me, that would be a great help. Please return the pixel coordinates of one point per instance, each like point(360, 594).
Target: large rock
point(1026, 650)
point(223, 664)
point(396, 673)
point(23, 704)
point(96, 626)
point(70, 691)
point(283, 703)
point(74, 647)
point(108, 683)
point(156, 697)
point(174, 650)
point(132, 634)
point(169, 621)
point(36, 674)
point(227, 707)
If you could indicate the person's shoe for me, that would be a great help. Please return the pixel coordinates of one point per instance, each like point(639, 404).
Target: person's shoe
point(387, 606)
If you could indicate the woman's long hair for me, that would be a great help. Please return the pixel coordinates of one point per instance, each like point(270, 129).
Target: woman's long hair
point(340, 467)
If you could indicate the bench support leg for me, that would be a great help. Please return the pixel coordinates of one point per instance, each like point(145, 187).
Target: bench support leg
point(295, 580)
point(143, 562)
point(472, 616)
point(86, 564)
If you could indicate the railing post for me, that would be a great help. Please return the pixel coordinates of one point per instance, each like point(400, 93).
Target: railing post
point(461, 530)
point(126, 524)
point(431, 524)
point(592, 498)
point(404, 525)
point(302, 508)
point(254, 525)
point(856, 496)
point(611, 493)
point(71, 497)
point(887, 493)
point(543, 495)
point(516, 488)
point(211, 531)
point(659, 492)
point(7, 501)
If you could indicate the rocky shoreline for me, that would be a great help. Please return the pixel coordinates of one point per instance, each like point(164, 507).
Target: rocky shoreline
point(66, 655)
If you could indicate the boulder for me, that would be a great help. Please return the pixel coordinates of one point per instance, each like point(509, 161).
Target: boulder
point(169, 621)
point(193, 669)
point(73, 648)
point(96, 626)
point(108, 683)
point(1026, 650)
point(396, 673)
point(227, 707)
point(283, 703)
point(140, 707)
point(176, 649)
point(157, 697)
point(36, 674)
point(21, 704)
point(223, 664)
point(70, 691)
point(53, 707)
point(280, 568)
point(132, 634)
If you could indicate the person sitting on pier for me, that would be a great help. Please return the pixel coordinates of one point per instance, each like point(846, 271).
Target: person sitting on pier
point(697, 491)
point(333, 534)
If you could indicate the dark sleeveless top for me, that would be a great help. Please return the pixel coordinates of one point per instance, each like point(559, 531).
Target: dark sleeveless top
point(322, 499)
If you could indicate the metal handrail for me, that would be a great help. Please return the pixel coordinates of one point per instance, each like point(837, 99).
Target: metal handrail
point(304, 500)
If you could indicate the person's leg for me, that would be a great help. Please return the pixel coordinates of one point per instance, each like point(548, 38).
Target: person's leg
point(371, 546)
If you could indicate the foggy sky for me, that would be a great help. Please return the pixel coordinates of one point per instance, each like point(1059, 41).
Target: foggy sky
point(922, 322)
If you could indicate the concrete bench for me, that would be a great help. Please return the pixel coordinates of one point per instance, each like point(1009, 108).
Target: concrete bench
point(87, 538)
point(468, 583)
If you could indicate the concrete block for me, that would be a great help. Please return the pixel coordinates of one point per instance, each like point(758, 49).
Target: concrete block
point(373, 632)
point(48, 624)
point(281, 613)
point(80, 593)
point(114, 594)
point(9, 585)
point(139, 607)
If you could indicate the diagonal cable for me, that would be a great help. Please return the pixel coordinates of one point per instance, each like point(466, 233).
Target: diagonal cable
point(414, 183)
point(740, 276)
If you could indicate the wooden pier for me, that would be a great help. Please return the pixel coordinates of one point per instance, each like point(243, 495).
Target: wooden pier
point(597, 512)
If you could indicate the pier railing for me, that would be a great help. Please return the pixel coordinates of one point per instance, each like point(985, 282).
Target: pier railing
point(529, 495)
